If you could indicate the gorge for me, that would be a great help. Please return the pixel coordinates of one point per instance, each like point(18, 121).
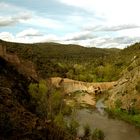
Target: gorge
point(95, 88)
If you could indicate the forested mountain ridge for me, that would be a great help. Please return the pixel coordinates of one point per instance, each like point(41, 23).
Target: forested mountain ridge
point(69, 61)
point(74, 61)
point(128, 54)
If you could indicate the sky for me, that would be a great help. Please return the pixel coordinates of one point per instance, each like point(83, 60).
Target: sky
point(90, 23)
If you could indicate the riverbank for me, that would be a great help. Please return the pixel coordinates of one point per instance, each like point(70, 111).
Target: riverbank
point(125, 116)
point(113, 129)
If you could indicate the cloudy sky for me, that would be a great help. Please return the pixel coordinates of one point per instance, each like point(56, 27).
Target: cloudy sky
point(98, 23)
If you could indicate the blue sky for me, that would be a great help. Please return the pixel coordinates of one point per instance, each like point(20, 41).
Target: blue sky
point(92, 23)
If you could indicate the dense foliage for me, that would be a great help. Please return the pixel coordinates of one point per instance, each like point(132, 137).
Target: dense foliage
point(132, 116)
point(71, 61)
point(76, 62)
point(49, 103)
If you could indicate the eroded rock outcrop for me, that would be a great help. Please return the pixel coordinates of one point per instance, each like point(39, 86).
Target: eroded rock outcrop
point(127, 90)
point(2, 50)
point(25, 67)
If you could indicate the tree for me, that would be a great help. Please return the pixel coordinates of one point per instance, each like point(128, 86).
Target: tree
point(55, 103)
point(38, 92)
point(59, 120)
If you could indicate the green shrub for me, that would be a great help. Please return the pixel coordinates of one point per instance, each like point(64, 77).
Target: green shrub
point(97, 135)
point(73, 127)
point(39, 98)
point(131, 117)
point(56, 103)
point(136, 119)
point(66, 110)
point(59, 120)
point(118, 103)
point(47, 104)
point(87, 132)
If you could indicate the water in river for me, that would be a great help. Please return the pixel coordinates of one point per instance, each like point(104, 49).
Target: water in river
point(113, 129)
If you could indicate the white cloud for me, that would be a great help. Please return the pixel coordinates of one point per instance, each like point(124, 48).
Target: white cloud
point(12, 10)
point(6, 21)
point(83, 35)
point(113, 42)
point(50, 38)
point(112, 11)
point(12, 14)
point(31, 36)
point(6, 36)
point(29, 32)
point(37, 39)
point(131, 32)
point(106, 23)
point(9, 7)
point(43, 22)
point(111, 28)
point(12, 20)
point(119, 19)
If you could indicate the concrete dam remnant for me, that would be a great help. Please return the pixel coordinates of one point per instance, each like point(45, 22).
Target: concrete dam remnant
point(69, 85)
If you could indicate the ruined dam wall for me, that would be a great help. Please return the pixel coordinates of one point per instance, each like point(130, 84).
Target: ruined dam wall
point(69, 85)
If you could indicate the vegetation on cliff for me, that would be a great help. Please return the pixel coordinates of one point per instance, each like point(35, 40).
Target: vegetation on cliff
point(124, 99)
point(18, 120)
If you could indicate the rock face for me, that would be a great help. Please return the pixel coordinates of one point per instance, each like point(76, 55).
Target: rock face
point(70, 86)
point(127, 89)
point(25, 67)
point(2, 50)
point(17, 118)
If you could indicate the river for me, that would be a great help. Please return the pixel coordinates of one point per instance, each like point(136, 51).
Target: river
point(113, 129)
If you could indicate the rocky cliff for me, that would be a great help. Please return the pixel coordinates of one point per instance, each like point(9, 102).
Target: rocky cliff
point(17, 116)
point(25, 67)
point(126, 93)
